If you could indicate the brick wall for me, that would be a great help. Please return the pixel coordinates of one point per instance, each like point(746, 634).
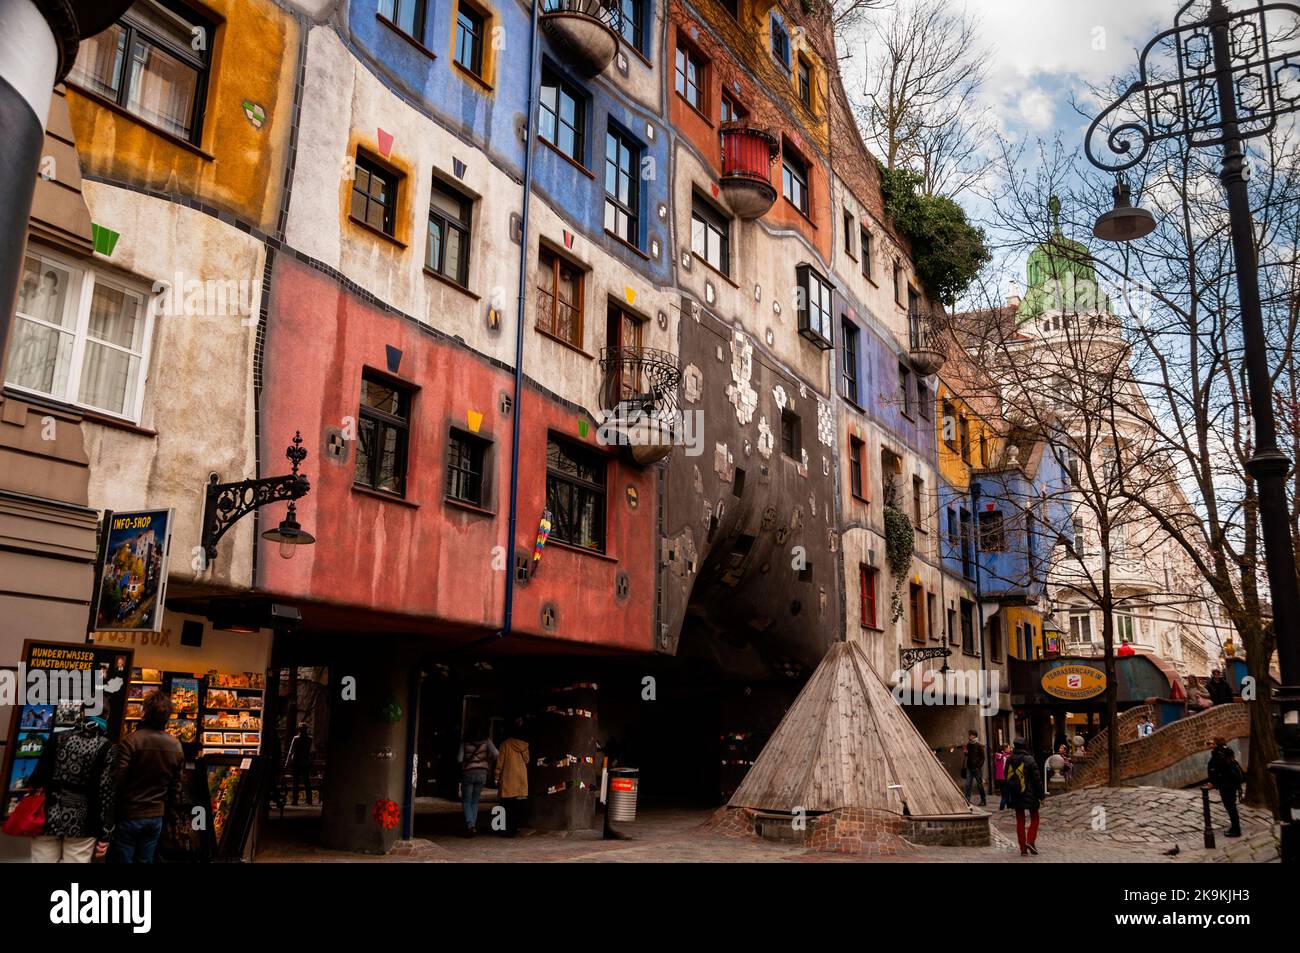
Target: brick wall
point(1164, 747)
point(851, 830)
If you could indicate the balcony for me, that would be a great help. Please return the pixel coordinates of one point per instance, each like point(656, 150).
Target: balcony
point(586, 31)
point(747, 154)
point(638, 394)
point(924, 340)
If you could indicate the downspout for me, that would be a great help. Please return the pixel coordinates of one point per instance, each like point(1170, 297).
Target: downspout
point(513, 522)
point(979, 610)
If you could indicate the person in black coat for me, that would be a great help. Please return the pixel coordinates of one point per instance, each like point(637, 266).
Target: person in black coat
point(1219, 689)
point(1225, 774)
point(972, 766)
point(1024, 794)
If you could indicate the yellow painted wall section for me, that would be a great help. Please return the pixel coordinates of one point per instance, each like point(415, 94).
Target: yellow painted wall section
point(235, 166)
point(954, 470)
point(1020, 615)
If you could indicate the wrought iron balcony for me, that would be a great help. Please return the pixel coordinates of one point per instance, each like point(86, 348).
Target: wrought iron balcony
point(639, 397)
point(925, 331)
point(747, 154)
point(586, 31)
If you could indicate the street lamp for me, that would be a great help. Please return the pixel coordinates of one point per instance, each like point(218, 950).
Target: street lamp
point(1228, 87)
point(228, 503)
point(1124, 222)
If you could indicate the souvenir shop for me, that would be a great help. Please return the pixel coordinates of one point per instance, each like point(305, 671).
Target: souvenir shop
point(216, 678)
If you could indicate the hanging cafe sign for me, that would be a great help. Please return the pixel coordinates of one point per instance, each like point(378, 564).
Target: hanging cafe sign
point(1074, 682)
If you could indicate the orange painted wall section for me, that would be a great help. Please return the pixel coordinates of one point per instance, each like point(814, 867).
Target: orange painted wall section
point(424, 557)
point(235, 166)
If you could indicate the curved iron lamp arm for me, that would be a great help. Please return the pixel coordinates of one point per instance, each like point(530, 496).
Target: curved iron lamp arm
point(227, 503)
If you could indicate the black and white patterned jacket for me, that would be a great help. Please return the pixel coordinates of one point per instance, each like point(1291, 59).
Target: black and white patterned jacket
point(76, 772)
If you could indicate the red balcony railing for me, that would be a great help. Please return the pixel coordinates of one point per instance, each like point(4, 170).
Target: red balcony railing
point(747, 153)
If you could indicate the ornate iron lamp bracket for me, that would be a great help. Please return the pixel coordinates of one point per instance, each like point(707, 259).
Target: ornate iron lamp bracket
point(911, 657)
point(227, 503)
point(1183, 103)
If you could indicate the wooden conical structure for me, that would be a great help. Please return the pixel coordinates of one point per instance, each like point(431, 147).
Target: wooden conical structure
point(845, 742)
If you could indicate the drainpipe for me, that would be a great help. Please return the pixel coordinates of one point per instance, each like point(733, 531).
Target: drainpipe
point(38, 44)
point(979, 611)
point(513, 522)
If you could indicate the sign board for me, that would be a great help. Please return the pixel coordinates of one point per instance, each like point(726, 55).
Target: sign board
point(1074, 682)
point(54, 685)
point(133, 572)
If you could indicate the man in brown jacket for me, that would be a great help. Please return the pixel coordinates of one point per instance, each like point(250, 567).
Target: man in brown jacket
point(149, 766)
point(512, 780)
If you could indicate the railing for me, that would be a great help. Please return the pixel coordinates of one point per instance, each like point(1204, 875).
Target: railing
point(639, 383)
point(606, 13)
point(747, 153)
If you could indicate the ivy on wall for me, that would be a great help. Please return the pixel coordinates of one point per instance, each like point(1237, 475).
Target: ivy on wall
point(899, 540)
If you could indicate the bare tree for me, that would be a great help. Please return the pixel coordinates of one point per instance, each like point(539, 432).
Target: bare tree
point(924, 66)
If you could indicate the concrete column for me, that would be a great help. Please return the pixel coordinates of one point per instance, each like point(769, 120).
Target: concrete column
point(366, 753)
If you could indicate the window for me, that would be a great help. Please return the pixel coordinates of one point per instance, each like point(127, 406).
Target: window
point(147, 63)
point(916, 605)
point(967, 626)
point(690, 76)
point(967, 565)
point(1081, 627)
point(466, 455)
point(848, 234)
point(905, 389)
point(709, 235)
point(623, 330)
point(780, 43)
point(815, 315)
point(963, 426)
point(79, 337)
point(931, 616)
point(804, 79)
point(631, 23)
point(731, 111)
point(794, 180)
point(563, 115)
point(374, 195)
point(891, 466)
point(984, 449)
point(918, 503)
point(406, 15)
point(469, 38)
point(867, 579)
point(857, 485)
point(559, 297)
point(575, 494)
point(1125, 628)
point(898, 283)
point(922, 397)
point(995, 638)
point(791, 437)
point(1080, 536)
point(622, 156)
point(382, 431)
point(993, 536)
point(849, 360)
point(449, 221)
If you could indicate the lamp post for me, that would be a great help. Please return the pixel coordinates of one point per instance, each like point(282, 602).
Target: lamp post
point(1229, 87)
point(227, 503)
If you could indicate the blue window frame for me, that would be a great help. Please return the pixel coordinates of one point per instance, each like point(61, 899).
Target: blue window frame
point(780, 42)
point(631, 23)
point(406, 15)
point(622, 192)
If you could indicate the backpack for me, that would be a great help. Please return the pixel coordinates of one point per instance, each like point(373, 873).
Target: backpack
point(1015, 780)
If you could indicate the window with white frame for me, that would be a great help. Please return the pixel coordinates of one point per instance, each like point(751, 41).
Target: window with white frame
point(79, 336)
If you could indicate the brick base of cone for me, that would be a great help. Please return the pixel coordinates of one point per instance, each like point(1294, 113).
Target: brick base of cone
point(850, 830)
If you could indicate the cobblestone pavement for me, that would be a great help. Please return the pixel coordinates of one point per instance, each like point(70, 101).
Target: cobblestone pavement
point(1133, 825)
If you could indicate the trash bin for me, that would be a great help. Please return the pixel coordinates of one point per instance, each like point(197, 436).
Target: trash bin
point(621, 803)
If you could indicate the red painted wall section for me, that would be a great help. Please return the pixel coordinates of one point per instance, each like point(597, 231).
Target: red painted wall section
point(422, 556)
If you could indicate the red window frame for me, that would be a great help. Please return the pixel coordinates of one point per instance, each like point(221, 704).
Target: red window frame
point(867, 578)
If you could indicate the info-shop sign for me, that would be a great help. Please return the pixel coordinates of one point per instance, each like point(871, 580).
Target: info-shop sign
point(133, 572)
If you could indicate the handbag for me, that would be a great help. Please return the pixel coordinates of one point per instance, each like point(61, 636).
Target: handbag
point(28, 818)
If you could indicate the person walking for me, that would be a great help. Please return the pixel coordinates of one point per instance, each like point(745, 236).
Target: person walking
point(75, 770)
point(1197, 699)
point(1000, 760)
point(475, 757)
point(511, 778)
point(148, 782)
point(1226, 776)
point(1024, 794)
point(1219, 689)
point(299, 761)
point(972, 766)
point(1145, 726)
